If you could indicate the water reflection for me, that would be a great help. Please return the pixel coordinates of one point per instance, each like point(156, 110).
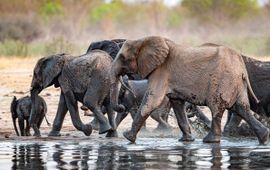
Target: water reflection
point(145, 155)
point(27, 157)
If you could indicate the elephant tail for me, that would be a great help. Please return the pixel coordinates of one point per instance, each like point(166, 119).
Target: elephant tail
point(14, 114)
point(250, 90)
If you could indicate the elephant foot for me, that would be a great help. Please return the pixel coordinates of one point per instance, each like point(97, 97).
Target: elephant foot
point(112, 133)
point(103, 128)
point(263, 136)
point(211, 138)
point(129, 135)
point(95, 125)
point(187, 138)
point(37, 134)
point(163, 128)
point(87, 129)
point(54, 133)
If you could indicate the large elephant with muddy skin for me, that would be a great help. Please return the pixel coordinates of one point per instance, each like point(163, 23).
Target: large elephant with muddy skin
point(211, 76)
point(84, 79)
point(259, 76)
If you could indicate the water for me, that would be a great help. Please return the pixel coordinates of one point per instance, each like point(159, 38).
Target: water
point(147, 153)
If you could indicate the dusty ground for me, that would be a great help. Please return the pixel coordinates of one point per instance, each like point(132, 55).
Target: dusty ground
point(15, 80)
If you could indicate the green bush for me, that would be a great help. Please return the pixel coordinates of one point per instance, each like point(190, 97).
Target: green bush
point(50, 9)
point(59, 45)
point(14, 48)
point(217, 10)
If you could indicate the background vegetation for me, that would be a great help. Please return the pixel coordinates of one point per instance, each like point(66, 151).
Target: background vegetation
point(43, 27)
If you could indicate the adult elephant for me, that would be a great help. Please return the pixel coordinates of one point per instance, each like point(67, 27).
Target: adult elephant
point(135, 82)
point(84, 79)
point(132, 101)
point(258, 72)
point(211, 76)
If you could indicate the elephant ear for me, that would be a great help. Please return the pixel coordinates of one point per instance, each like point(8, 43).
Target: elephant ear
point(152, 52)
point(52, 67)
point(108, 46)
point(111, 48)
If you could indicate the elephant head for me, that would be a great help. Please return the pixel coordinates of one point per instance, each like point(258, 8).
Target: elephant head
point(14, 115)
point(45, 74)
point(110, 47)
point(141, 57)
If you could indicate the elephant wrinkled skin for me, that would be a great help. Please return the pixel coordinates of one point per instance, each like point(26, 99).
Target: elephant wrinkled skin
point(206, 75)
point(21, 109)
point(84, 79)
point(133, 101)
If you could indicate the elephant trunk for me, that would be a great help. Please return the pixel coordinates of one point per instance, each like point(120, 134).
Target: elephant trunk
point(114, 92)
point(34, 105)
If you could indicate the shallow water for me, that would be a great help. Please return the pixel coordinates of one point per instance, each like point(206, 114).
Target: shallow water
point(147, 153)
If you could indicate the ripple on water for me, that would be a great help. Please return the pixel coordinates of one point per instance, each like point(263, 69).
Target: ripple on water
point(147, 153)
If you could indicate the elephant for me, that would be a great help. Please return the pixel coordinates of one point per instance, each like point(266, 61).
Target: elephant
point(83, 78)
point(132, 103)
point(208, 75)
point(258, 72)
point(21, 109)
point(110, 46)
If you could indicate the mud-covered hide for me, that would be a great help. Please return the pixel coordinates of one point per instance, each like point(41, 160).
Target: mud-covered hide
point(78, 73)
point(259, 76)
point(24, 107)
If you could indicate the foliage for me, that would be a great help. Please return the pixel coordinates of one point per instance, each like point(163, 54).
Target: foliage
point(59, 45)
point(217, 10)
point(103, 11)
point(51, 8)
point(23, 28)
point(14, 48)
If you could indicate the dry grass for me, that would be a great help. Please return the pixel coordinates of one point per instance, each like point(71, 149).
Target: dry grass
point(17, 62)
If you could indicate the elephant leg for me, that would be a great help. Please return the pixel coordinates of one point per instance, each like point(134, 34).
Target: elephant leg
point(120, 117)
point(150, 101)
point(111, 117)
point(133, 113)
point(243, 109)
point(21, 125)
point(94, 123)
point(182, 120)
point(74, 113)
point(232, 123)
point(92, 100)
point(214, 134)
point(157, 116)
point(27, 129)
point(40, 120)
point(201, 116)
point(59, 118)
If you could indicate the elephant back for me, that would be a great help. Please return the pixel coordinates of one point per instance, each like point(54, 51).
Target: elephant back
point(80, 71)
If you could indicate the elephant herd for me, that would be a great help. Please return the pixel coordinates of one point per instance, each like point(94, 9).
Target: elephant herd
point(147, 77)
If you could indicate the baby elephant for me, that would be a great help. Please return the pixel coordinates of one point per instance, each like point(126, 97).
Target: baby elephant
point(21, 109)
point(132, 103)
